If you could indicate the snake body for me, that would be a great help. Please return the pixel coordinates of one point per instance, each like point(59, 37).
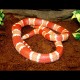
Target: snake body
point(46, 29)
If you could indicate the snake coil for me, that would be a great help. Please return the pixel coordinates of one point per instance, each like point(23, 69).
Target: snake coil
point(41, 27)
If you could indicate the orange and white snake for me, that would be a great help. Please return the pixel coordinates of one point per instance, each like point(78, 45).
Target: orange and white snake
point(41, 27)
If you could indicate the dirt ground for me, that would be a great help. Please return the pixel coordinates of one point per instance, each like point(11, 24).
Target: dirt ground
point(11, 60)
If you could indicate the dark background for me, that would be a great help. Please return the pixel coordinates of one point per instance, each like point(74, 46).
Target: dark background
point(40, 4)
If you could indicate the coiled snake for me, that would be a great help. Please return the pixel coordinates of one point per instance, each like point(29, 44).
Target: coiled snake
point(41, 27)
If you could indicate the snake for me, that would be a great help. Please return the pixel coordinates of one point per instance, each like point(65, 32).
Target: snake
point(47, 30)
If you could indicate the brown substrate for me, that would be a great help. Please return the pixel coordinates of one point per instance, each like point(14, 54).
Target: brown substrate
point(11, 60)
